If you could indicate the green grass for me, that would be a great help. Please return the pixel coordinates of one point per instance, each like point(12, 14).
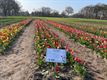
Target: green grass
point(10, 20)
point(74, 19)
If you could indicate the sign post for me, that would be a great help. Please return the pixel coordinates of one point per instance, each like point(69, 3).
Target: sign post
point(55, 71)
point(56, 56)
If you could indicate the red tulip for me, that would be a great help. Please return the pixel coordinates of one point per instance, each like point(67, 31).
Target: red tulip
point(56, 43)
point(77, 59)
point(100, 46)
point(105, 46)
point(71, 51)
point(67, 46)
point(49, 46)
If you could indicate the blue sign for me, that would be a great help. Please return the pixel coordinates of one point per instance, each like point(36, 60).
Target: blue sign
point(56, 55)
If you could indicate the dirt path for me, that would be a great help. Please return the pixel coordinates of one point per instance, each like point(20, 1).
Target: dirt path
point(17, 64)
point(96, 66)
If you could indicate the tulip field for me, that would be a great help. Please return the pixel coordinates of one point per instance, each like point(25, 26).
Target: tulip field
point(92, 37)
point(23, 48)
point(96, 27)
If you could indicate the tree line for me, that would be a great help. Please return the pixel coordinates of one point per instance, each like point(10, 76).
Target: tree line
point(46, 11)
point(98, 11)
point(12, 8)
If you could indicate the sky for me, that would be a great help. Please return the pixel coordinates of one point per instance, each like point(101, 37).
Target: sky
point(59, 5)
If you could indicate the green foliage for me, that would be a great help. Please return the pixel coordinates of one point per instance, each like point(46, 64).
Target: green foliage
point(80, 69)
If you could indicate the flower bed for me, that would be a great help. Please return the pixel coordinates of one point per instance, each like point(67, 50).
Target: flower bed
point(8, 34)
point(91, 41)
point(98, 30)
point(45, 38)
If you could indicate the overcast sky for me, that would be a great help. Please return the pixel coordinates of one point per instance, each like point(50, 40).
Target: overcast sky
point(59, 5)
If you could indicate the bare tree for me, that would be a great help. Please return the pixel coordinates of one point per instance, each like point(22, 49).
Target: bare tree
point(9, 7)
point(87, 11)
point(24, 13)
point(46, 11)
point(98, 11)
point(63, 14)
point(55, 13)
point(69, 10)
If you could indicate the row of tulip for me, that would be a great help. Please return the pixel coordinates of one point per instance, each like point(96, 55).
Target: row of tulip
point(99, 30)
point(91, 41)
point(7, 34)
point(46, 38)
